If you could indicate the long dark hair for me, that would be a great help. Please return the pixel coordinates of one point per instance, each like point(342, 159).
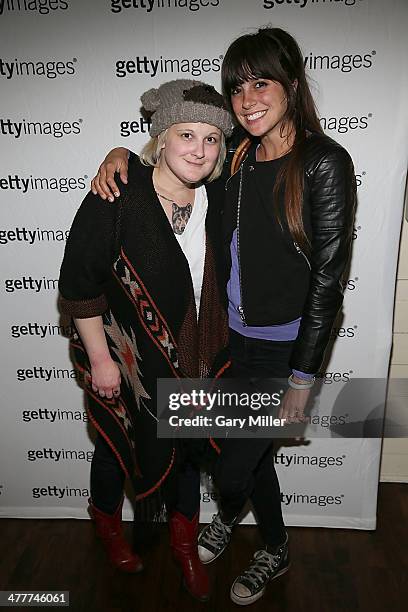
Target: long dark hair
point(272, 53)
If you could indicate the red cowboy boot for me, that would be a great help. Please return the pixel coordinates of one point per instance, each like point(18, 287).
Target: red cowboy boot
point(109, 529)
point(183, 540)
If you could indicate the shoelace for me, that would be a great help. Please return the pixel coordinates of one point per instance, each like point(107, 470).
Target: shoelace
point(217, 532)
point(263, 563)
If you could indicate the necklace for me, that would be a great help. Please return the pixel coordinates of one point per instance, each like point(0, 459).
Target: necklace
point(164, 197)
point(257, 154)
point(171, 200)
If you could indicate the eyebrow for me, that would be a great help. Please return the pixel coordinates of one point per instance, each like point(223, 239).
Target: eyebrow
point(192, 130)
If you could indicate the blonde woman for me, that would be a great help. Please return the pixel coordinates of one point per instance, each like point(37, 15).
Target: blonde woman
point(142, 281)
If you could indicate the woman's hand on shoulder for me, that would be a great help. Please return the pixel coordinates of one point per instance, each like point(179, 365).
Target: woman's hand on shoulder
point(103, 184)
point(105, 376)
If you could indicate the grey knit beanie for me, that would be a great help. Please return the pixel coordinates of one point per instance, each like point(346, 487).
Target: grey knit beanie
point(186, 101)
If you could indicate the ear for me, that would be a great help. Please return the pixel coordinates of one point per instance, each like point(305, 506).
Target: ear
point(164, 135)
point(295, 84)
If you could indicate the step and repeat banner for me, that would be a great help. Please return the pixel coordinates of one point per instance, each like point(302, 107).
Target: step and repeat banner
point(71, 76)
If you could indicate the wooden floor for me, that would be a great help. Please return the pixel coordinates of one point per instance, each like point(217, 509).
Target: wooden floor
point(332, 570)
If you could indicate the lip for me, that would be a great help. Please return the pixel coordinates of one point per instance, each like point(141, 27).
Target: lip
point(252, 117)
point(198, 165)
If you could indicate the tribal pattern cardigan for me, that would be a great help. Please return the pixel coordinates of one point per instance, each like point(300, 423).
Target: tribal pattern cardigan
point(123, 262)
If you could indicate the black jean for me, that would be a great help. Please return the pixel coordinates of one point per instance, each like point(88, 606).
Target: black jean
point(108, 480)
point(245, 468)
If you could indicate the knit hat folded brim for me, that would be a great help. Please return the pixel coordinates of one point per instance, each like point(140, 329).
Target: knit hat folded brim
point(191, 112)
point(186, 101)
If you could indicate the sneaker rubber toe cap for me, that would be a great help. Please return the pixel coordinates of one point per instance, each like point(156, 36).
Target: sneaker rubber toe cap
point(206, 556)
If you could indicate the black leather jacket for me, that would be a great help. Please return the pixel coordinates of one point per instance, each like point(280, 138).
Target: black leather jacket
point(329, 198)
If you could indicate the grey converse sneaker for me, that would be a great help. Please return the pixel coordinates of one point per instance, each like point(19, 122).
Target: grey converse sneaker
point(265, 566)
point(213, 539)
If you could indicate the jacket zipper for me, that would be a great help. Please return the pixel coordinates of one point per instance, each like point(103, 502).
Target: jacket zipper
point(299, 250)
point(229, 178)
point(240, 308)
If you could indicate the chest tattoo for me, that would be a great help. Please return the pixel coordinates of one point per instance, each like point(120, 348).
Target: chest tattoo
point(180, 216)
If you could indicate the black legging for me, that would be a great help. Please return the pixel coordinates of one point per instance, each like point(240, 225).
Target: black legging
point(245, 468)
point(108, 480)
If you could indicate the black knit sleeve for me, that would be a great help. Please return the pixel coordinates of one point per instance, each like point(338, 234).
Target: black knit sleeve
point(132, 157)
point(87, 259)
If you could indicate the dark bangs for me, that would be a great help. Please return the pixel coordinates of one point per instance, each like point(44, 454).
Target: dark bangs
point(252, 57)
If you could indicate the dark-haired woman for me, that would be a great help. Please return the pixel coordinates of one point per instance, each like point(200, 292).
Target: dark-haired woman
point(288, 223)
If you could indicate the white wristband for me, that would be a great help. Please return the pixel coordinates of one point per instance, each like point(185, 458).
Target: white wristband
point(302, 386)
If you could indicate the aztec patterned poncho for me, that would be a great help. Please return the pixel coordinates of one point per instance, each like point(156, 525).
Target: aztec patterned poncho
point(122, 261)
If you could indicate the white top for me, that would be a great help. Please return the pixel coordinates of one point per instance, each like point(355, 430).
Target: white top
point(192, 242)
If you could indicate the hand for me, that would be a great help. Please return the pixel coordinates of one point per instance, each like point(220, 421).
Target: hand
point(293, 405)
point(105, 378)
point(103, 183)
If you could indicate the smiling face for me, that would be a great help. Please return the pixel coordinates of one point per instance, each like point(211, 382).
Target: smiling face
point(190, 152)
point(259, 105)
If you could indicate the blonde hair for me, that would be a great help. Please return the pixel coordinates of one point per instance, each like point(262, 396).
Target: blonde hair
point(151, 152)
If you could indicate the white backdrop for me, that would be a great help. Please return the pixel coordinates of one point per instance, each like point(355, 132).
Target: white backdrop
point(71, 75)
